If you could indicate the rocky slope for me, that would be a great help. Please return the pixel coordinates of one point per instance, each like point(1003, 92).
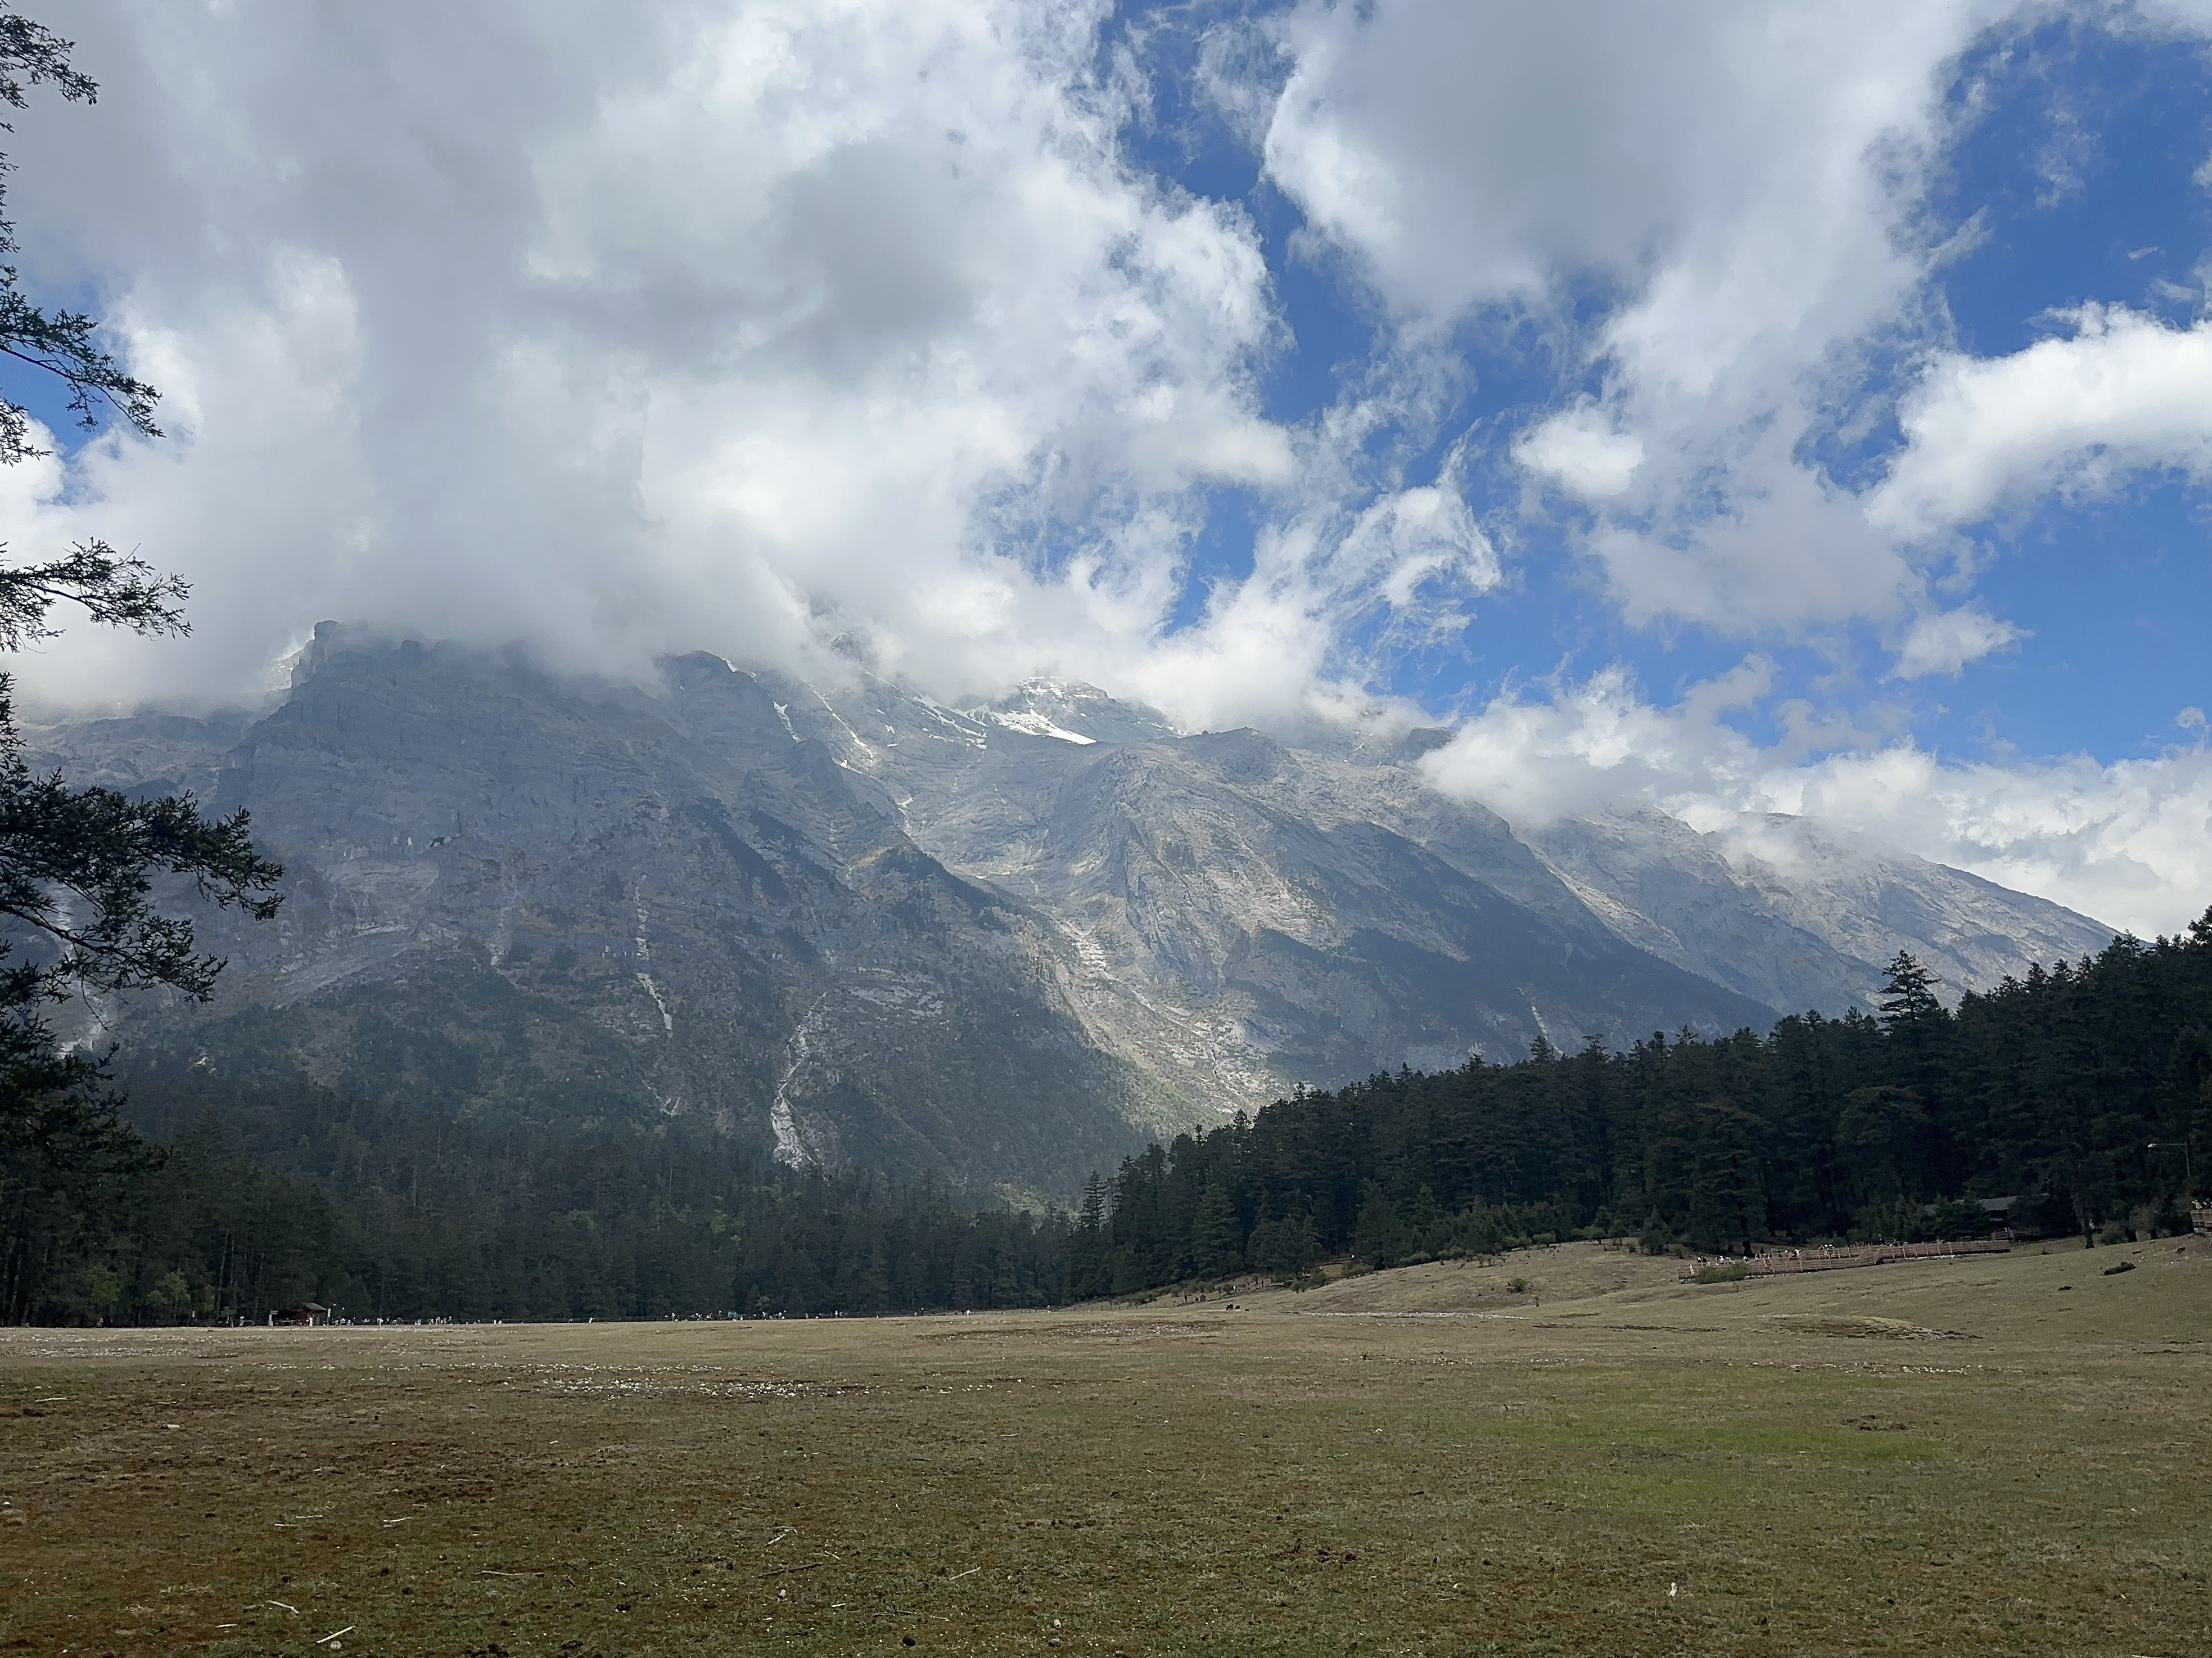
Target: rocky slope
point(1001, 944)
point(1800, 916)
point(1134, 838)
point(513, 894)
point(1250, 916)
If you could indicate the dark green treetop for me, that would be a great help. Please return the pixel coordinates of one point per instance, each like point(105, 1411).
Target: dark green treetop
point(1909, 996)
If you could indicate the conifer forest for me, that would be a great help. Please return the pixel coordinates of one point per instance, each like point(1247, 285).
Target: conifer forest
point(2081, 1092)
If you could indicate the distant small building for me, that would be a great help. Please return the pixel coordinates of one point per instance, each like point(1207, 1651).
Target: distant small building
point(2200, 1220)
point(1999, 1211)
point(307, 1313)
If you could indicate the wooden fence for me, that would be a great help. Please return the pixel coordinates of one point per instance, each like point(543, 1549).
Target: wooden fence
point(1830, 1260)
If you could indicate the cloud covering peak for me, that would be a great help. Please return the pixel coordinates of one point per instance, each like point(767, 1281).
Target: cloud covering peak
point(1265, 363)
point(770, 324)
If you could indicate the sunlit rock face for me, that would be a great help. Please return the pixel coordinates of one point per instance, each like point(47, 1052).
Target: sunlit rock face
point(1798, 915)
point(1000, 945)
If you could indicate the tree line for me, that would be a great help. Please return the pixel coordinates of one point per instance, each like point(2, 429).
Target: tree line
point(2082, 1092)
point(252, 1197)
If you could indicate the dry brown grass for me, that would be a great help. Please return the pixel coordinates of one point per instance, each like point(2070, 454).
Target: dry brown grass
point(1938, 1458)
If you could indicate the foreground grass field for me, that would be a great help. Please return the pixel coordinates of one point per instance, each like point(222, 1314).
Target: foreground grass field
point(2006, 1454)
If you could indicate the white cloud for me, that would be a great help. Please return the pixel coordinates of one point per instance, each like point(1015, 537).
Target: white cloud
point(1277, 646)
point(1944, 642)
point(757, 321)
point(1468, 153)
point(2077, 412)
point(1579, 450)
point(1596, 741)
point(746, 323)
point(1772, 547)
point(735, 326)
point(2129, 843)
point(1743, 177)
point(1414, 537)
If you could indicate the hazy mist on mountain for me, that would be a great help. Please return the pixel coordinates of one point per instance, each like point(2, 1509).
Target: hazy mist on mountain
point(1000, 944)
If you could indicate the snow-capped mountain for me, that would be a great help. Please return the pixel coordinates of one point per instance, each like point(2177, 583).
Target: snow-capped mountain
point(1163, 854)
point(1002, 943)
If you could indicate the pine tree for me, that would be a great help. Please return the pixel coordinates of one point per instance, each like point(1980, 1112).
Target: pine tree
point(1217, 1244)
point(77, 865)
point(1908, 998)
point(1088, 1272)
point(1380, 1237)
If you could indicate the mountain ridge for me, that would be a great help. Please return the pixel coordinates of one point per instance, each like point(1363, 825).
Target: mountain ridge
point(1000, 946)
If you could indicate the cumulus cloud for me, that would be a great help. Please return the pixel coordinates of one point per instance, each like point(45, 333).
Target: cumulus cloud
point(1741, 177)
point(1464, 154)
point(2123, 392)
point(760, 324)
point(1944, 642)
point(1329, 593)
point(1534, 761)
point(1579, 450)
point(744, 326)
point(2129, 843)
point(756, 323)
point(1773, 547)
point(2126, 842)
point(1744, 185)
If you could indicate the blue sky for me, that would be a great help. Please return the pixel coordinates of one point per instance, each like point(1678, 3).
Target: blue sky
point(2067, 171)
point(2115, 591)
point(1719, 408)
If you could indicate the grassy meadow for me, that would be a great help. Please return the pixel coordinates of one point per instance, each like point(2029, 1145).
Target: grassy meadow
point(2001, 1454)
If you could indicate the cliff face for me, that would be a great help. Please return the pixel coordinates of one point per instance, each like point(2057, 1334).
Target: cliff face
point(513, 894)
point(1800, 916)
point(1248, 917)
point(1001, 945)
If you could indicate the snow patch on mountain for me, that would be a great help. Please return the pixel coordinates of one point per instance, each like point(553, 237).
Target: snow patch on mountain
point(1033, 725)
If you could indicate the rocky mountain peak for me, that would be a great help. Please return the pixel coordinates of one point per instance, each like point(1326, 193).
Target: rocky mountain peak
point(1072, 712)
point(1001, 944)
